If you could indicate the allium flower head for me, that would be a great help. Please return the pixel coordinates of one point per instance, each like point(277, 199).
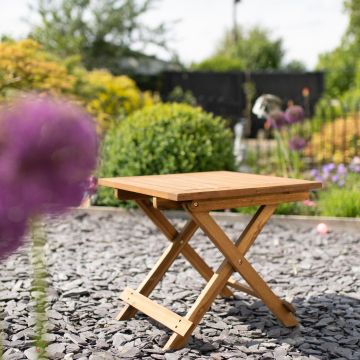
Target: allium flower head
point(297, 143)
point(50, 152)
point(276, 119)
point(294, 114)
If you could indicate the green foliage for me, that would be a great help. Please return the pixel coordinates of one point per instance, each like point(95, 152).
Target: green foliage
point(102, 32)
point(166, 138)
point(340, 68)
point(342, 64)
point(252, 50)
point(340, 202)
point(219, 63)
point(26, 66)
point(344, 202)
point(295, 66)
point(178, 95)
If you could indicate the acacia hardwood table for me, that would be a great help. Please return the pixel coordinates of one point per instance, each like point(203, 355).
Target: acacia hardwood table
point(198, 194)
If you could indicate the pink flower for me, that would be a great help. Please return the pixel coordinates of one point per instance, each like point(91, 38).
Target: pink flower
point(309, 203)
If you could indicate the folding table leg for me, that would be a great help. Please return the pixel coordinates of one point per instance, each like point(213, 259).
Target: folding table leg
point(238, 262)
point(157, 217)
point(160, 268)
point(216, 283)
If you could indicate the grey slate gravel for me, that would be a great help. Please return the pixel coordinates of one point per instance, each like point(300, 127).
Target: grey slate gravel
point(91, 258)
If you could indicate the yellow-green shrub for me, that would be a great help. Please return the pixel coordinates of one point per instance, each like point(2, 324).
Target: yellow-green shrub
point(113, 97)
point(26, 66)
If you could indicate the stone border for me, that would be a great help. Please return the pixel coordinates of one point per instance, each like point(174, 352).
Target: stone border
point(334, 223)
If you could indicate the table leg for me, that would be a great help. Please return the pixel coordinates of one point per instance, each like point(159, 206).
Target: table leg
point(220, 277)
point(238, 262)
point(164, 225)
point(160, 268)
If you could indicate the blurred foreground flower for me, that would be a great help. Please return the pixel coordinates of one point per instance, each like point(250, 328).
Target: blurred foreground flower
point(51, 152)
point(48, 149)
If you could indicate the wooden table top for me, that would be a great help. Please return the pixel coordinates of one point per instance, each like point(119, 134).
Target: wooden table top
point(208, 185)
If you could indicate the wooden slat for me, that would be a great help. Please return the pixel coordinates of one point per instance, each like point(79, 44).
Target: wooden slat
point(240, 287)
point(164, 204)
point(158, 312)
point(208, 185)
point(268, 199)
point(128, 195)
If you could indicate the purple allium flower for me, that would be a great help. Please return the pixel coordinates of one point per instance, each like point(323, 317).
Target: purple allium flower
point(335, 178)
point(297, 143)
point(276, 119)
point(327, 168)
point(341, 169)
point(53, 145)
point(314, 173)
point(294, 114)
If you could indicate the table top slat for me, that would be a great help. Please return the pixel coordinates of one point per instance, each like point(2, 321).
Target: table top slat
point(208, 185)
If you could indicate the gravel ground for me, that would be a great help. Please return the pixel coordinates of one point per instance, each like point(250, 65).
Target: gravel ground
point(91, 258)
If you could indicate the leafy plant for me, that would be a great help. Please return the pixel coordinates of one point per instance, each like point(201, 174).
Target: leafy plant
point(246, 50)
point(166, 138)
point(26, 66)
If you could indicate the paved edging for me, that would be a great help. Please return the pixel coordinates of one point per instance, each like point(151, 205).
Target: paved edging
point(334, 223)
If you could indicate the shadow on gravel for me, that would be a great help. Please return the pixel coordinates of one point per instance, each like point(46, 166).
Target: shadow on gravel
point(329, 329)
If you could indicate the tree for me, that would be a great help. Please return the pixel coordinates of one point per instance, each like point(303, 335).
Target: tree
point(248, 50)
point(295, 66)
point(342, 63)
point(106, 33)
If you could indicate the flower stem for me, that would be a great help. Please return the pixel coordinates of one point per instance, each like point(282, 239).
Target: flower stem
point(39, 285)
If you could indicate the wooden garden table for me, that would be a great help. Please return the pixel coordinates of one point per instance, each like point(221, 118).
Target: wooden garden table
point(199, 193)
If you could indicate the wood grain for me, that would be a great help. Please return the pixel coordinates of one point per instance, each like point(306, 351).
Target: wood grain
point(208, 185)
point(158, 312)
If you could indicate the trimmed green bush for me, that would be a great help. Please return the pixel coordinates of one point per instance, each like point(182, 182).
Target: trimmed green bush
point(163, 139)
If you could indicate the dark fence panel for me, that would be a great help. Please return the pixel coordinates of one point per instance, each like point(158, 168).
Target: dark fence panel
point(223, 93)
point(220, 93)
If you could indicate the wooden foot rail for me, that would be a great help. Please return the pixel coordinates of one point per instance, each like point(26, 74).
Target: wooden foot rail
point(158, 312)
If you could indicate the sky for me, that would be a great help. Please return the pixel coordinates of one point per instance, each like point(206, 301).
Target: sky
point(307, 27)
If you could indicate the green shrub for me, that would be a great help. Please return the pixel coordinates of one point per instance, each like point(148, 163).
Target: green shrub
point(344, 202)
point(163, 139)
point(340, 202)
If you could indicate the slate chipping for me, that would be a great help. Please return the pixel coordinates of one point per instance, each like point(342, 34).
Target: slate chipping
point(91, 258)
